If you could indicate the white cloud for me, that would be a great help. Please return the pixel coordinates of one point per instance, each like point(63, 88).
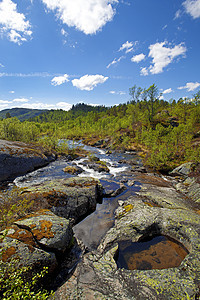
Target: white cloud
point(4, 102)
point(37, 74)
point(144, 72)
point(88, 82)
point(167, 91)
point(117, 93)
point(128, 47)
point(60, 80)
point(177, 14)
point(162, 55)
point(161, 97)
point(87, 16)
point(12, 92)
point(63, 32)
point(20, 100)
point(2, 66)
point(190, 86)
point(192, 7)
point(3, 106)
point(63, 105)
point(41, 105)
point(13, 23)
point(138, 58)
point(115, 61)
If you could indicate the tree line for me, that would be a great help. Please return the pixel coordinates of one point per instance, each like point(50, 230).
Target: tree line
point(168, 131)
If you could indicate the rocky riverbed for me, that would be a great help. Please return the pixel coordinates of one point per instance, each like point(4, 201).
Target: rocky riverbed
point(142, 240)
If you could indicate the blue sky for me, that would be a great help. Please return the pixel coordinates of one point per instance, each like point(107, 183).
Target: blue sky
point(57, 53)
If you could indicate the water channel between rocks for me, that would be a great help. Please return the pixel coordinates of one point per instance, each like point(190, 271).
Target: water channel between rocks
point(92, 228)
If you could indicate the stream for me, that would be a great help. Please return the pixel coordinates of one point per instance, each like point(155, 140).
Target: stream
point(93, 227)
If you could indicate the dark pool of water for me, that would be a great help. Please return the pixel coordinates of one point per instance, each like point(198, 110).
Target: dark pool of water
point(161, 252)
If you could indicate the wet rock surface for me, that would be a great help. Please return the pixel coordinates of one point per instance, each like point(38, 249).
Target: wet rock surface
point(96, 165)
point(17, 158)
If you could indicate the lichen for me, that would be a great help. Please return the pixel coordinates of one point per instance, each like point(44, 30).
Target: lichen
point(45, 230)
point(8, 253)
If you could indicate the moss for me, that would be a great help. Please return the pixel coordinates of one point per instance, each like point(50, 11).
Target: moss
point(71, 170)
point(127, 208)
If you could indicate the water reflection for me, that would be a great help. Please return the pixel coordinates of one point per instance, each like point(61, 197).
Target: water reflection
point(161, 252)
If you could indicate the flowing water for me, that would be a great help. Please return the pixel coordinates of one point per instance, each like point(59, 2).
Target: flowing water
point(93, 227)
point(156, 253)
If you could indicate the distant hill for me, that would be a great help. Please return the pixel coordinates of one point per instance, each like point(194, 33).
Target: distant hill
point(21, 113)
point(60, 115)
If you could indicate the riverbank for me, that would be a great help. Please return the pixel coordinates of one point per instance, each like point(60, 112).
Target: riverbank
point(135, 204)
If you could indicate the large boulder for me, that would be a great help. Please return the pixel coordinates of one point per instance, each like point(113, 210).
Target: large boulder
point(18, 158)
point(35, 240)
point(48, 230)
point(69, 198)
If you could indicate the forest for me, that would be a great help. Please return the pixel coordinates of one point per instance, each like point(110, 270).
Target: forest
point(166, 133)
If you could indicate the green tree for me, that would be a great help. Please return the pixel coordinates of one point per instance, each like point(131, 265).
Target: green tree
point(152, 94)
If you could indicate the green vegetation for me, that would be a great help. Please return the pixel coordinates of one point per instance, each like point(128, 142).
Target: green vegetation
point(15, 286)
point(21, 113)
point(168, 133)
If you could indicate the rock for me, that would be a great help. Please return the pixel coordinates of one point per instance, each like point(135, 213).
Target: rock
point(48, 230)
point(118, 191)
point(139, 169)
point(131, 183)
point(74, 170)
point(36, 240)
point(69, 198)
point(163, 196)
point(18, 158)
point(98, 166)
point(191, 187)
point(114, 193)
point(98, 277)
point(183, 170)
point(27, 255)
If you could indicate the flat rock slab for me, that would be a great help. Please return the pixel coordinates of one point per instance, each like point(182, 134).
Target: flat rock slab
point(160, 192)
point(69, 198)
point(18, 158)
point(48, 230)
point(98, 277)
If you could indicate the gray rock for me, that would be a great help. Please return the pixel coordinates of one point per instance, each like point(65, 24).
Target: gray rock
point(98, 277)
point(18, 158)
point(183, 170)
point(27, 255)
point(191, 187)
point(48, 230)
point(69, 198)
